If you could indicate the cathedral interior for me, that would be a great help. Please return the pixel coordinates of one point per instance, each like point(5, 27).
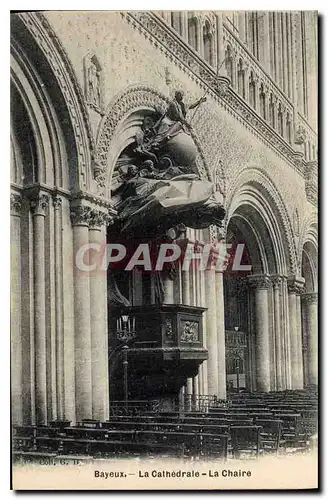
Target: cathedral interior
point(194, 128)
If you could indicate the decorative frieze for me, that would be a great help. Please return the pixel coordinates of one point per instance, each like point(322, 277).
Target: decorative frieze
point(15, 204)
point(311, 181)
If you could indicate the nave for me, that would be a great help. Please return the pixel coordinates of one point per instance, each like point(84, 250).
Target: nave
point(247, 425)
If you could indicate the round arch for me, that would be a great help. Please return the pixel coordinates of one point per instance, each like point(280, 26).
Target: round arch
point(44, 68)
point(308, 253)
point(253, 188)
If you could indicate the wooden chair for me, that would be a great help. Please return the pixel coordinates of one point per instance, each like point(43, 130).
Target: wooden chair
point(246, 440)
point(270, 434)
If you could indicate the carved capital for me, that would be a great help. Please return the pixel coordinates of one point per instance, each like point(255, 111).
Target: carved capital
point(80, 215)
point(99, 219)
point(276, 281)
point(295, 285)
point(57, 202)
point(310, 298)
point(259, 282)
point(39, 204)
point(15, 204)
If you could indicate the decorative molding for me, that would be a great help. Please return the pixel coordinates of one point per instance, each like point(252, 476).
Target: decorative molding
point(15, 204)
point(161, 35)
point(93, 200)
point(50, 44)
point(39, 204)
point(311, 181)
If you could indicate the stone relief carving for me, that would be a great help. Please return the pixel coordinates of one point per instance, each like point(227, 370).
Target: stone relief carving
point(300, 135)
point(93, 82)
point(296, 222)
point(190, 331)
point(168, 327)
point(15, 204)
point(39, 204)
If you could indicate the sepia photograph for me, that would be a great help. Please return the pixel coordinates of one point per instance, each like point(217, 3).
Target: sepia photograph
point(164, 250)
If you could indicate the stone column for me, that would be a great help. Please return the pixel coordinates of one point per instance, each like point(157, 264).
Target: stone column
point(222, 386)
point(278, 44)
point(195, 391)
point(184, 24)
point(295, 336)
point(299, 337)
point(188, 391)
point(60, 389)
point(261, 284)
point(286, 351)
point(241, 26)
point(264, 41)
point(80, 216)
point(200, 42)
point(203, 304)
point(98, 319)
point(211, 333)
point(299, 73)
point(15, 310)
point(310, 305)
point(220, 51)
point(277, 331)
point(39, 206)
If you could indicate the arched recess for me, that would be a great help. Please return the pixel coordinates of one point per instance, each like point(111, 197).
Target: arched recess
point(43, 75)
point(253, 187)
point(247, 226)
point(256, 217)
point(309, 255)
point(117, 130)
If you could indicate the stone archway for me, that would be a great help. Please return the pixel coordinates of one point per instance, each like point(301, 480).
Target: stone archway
point(309, 302)
point(266, 307)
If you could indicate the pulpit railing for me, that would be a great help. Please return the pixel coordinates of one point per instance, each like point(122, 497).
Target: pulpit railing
point(192, 402)
point(133, 407)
